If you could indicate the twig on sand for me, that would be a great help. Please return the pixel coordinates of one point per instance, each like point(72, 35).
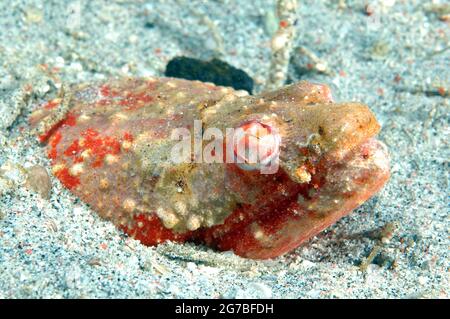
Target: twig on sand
point(318, 64)
point(384, 236)
point(375, 251)
point(439, 91)
point(282, 43)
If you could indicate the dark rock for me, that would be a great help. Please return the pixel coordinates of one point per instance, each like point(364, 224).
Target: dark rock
point(215, 71)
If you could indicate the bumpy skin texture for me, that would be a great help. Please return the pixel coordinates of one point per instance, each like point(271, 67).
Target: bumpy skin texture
point(110, 144)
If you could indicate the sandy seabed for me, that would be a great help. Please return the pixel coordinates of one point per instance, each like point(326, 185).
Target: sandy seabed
point(396, 60)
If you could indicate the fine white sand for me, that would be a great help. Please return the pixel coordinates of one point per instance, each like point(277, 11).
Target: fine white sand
point(394, 60)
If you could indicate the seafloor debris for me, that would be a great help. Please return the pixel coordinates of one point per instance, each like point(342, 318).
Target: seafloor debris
point(282, 43)
point(214, 71)
point(39, 181)
point(113, 145)
point(383, 235)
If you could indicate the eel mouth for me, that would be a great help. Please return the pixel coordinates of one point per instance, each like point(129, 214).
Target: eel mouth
point(358, 174)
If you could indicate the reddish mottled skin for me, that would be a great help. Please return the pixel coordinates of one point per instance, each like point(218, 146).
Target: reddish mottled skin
point(289, 222)
point(67, 179)
point(112, 150)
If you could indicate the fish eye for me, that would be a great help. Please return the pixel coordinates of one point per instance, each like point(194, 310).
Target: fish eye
point(255, 144)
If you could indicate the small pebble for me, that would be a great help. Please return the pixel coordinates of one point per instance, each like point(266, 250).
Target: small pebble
point(39, 181)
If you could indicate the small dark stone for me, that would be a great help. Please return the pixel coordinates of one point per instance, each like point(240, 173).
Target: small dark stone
point(215, 71)
point(149, 25)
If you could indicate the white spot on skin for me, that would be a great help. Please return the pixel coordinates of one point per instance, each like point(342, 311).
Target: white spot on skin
point(81, 141)
point(129, 205)
point(86, 154)
point(84, 118)
point(344, 127)
point(111, 159)
point(181, 95)
point(193, 222)
point(168, 218)
point(180, 207)
point(126, 145)
point(76, 169)
point(58, 167)
point(258, 234)
point(123, 221)
point(104, 184)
